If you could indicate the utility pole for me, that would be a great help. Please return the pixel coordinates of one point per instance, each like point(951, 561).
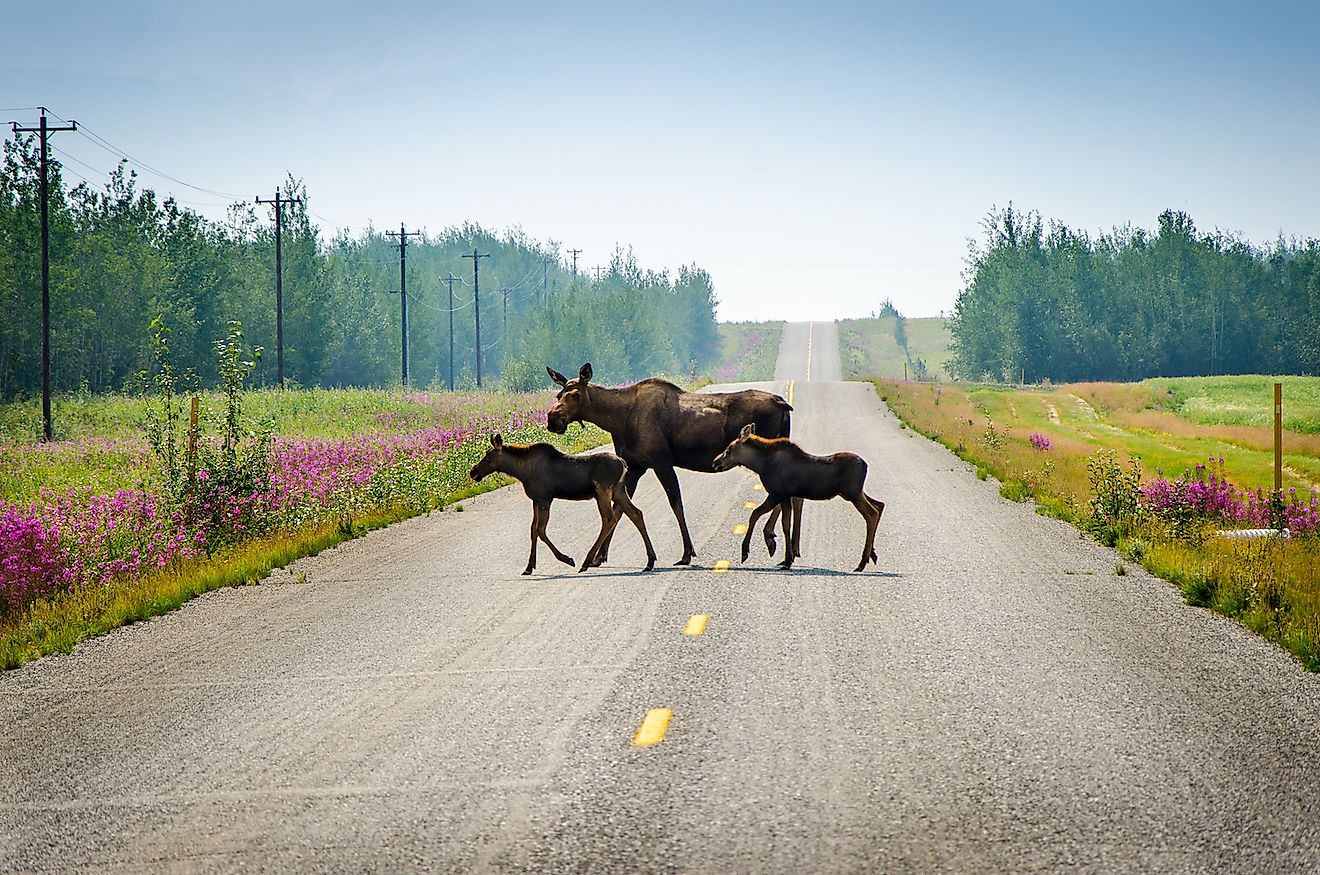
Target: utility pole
point(476, 302)
point(575, 255)
point(451, 279)
point(278, 202)
point(403, 235)
point(43, 130)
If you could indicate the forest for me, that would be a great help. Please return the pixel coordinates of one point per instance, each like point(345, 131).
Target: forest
point(120, 257)
point(1045, 302)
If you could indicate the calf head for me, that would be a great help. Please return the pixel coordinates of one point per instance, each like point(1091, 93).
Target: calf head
point(736, 451)
point(571, 401)
point(490, 463)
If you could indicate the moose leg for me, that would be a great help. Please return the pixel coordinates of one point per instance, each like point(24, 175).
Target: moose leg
point(769, 531)
point(880, 508)
point(630, 477)
point(669, 480)
point(624, 504)
point(609, 518)
point(797, 527)
point(871, 514)
point(771, 501)
point(536, 525)
point(545, 520)
point(790, 532)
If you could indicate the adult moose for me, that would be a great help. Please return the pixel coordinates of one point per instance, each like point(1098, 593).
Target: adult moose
point(657, 426)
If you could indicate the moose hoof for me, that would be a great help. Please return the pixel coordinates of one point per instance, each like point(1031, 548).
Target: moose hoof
point(770, 545)
point(686, 560)
point(527, 572)
point(567, 560)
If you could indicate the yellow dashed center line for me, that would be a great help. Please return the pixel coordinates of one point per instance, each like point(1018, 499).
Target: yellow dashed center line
point(790, 392)
point(696, 625)
point(811, 328)
point(654, 726)
point(721, 566)
point(750, 505)
point(740, 529)
point(758, 487)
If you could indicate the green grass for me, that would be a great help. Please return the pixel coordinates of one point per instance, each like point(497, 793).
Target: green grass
point(1270, 586)
point(109, 453)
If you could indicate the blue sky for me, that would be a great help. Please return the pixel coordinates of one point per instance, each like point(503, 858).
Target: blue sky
point(815, 158)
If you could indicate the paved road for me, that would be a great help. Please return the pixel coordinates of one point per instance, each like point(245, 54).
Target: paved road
point(991, 699)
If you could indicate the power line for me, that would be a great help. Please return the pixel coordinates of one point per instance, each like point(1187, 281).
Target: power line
point(105, 144)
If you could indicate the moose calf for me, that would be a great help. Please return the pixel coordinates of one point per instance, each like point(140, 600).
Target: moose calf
point(789, 472)
point(547, 474)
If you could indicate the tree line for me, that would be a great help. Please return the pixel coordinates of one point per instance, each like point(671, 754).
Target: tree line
point(1043, 301)
point(121, 256)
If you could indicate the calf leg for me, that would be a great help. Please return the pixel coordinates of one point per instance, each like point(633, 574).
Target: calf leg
point(536, 525)
point(545, 520)
point(669, 480)
point(790, 532)
point(871, 513)
point(880, 510)
point(771, 501)
point(609, 518)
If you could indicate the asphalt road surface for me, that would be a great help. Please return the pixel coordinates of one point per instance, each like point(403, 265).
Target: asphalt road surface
point(990, 698)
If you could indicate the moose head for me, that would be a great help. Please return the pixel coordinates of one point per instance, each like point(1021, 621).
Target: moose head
point(572, 400)
point(490, 462)
point(733, 453)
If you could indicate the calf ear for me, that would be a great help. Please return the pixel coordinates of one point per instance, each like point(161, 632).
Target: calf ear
point(496, 440)
point(748, 430)
point(585, 373)
point(555, 375)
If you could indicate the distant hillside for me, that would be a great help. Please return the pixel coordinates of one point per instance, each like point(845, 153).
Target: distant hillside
point(748, 351)
point(880, 348)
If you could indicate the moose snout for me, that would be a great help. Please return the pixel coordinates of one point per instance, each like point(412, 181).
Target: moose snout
point(721, 462)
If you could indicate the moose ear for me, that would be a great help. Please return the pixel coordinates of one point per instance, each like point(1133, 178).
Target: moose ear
point(585, 373)
point(555, 375)
point(496, 440)
point(748, 430)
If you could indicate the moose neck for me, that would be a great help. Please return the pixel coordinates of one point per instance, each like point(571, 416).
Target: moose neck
point(513, 461)
point(607, 408)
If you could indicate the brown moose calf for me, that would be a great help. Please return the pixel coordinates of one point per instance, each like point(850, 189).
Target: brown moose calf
point(789, 472)
point(547, 474)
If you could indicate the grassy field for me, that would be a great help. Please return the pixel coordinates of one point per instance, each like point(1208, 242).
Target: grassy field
point(93, 535)
point(748, 352)
point(869, 348)
point(1157, 431)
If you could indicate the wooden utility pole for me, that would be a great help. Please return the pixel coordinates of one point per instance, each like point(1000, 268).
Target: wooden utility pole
point(403, 234)
point(43, 132)
point(1278, 440)
point(505, 332)
point(450, 280)
point(476, 302)
point(278, 202)
point(575, 255)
